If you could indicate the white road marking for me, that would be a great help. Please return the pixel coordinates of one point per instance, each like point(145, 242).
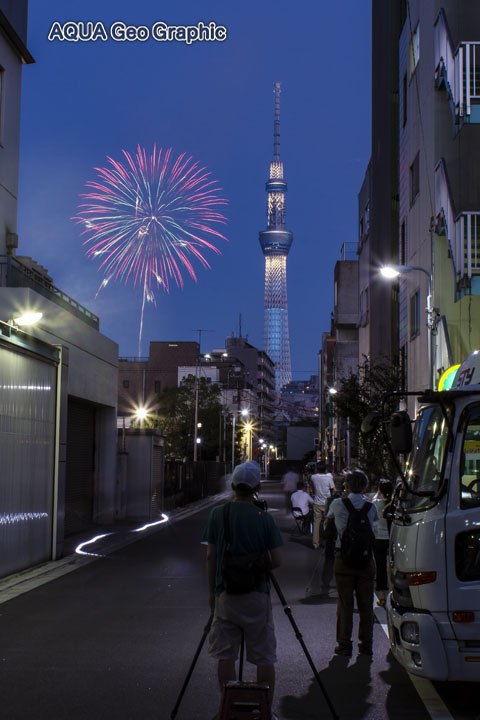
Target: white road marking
point(434, 704)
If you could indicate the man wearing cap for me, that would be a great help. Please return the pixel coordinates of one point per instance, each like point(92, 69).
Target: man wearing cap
point(251, 530)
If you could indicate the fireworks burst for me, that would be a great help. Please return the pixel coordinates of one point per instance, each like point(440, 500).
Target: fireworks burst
point(148, 217)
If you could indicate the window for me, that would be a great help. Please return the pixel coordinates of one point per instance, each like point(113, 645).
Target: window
point(415, 314)
point(470, 463)
point(126, 383)
point(158, 386)
point(404, 101)
point(414, 50)
point(414, 179)
point(424, 468)
point(403, 243)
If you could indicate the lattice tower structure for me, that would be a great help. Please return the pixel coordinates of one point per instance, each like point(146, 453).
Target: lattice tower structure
point(275, 242)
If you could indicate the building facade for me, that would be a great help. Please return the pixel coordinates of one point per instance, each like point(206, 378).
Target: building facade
point(439, 181)
point(379, 195)
point(140, 380)
point(58, 378)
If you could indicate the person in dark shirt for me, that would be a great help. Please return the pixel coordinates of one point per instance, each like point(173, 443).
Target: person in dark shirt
point(251, 530)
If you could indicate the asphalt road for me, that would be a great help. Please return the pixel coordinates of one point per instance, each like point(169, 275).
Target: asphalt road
point(114, 640)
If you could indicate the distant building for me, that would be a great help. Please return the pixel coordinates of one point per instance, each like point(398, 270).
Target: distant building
point(299, 400)
point(141, 380)
point(260, 373)
point(339, 357)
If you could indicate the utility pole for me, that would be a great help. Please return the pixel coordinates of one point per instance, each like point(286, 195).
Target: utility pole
point(197, 368)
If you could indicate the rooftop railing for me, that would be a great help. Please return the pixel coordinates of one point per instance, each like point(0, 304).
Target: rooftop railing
point(14, 273)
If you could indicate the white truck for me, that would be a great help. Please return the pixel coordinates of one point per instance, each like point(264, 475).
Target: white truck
point(433, 610)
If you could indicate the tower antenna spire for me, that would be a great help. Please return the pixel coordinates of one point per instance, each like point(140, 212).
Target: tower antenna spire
point(277, 89)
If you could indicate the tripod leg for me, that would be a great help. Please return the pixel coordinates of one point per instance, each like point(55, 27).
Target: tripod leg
point(206, 630)
point(298, 635)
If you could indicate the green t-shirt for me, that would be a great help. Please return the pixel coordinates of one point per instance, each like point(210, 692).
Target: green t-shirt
point(251, 530)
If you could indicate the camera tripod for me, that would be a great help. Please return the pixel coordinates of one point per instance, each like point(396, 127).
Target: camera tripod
point(298, 635)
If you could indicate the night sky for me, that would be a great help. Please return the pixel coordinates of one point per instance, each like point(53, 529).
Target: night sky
point(83, 101)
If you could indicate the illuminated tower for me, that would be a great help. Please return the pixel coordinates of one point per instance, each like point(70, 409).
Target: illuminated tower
point(275, 242)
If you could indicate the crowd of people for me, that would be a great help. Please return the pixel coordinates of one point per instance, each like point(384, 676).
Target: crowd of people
point(351, 526)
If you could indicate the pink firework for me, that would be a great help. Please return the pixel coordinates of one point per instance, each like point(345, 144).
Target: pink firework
point(150, 217)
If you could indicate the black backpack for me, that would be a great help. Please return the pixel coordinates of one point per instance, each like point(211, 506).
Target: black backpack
point(241, 573)
point(358, 538)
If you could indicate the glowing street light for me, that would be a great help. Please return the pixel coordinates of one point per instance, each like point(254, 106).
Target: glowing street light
point(141, 413)
point(28, 318)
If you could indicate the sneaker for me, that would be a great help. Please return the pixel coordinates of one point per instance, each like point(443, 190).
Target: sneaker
point(343, 650)
point(365, 649)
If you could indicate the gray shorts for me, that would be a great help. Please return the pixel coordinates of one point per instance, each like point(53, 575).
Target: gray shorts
point(251, 613)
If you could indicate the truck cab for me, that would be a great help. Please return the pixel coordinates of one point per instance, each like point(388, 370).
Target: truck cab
point(433, 609)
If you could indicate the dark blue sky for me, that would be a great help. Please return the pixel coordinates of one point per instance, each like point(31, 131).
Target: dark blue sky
point(83, 101)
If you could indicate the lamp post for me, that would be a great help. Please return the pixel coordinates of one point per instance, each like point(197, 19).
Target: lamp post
point(393, 271)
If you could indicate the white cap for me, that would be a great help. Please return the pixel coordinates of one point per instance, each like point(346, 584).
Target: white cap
point(247, 474)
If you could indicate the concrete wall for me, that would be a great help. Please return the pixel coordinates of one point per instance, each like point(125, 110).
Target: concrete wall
point(89, 373)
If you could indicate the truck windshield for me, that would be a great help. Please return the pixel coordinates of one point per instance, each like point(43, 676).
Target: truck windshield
point(470, 462)
point(424, 468)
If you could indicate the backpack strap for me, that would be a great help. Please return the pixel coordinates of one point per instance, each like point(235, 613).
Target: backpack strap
point(364, 510)
point(349, 505)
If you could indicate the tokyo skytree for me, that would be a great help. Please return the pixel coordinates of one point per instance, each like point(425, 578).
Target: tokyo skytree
point(275, 242)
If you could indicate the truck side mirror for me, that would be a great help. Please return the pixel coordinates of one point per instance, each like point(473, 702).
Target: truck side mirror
point(401, 432)
point(371, 422)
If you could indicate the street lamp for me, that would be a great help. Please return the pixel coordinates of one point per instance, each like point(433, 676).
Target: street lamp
point(28, 318)
point(393, 271)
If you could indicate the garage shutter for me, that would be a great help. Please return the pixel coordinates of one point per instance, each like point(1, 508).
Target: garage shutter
point(79, 481)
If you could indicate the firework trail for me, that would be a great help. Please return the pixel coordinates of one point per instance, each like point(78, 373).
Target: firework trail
point(148, 217)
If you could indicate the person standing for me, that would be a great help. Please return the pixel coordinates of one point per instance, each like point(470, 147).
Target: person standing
point(251, 530)
point(354, 514)
point(323, 488)
point(290, 484)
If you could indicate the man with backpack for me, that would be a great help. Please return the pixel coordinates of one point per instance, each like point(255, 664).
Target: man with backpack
point(356, 522)
point(237, 534)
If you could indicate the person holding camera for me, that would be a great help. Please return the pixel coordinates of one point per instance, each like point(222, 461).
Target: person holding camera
point(240, 535)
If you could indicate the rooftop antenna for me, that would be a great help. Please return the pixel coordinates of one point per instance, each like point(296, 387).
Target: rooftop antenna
point(276, 124)
point(240, 325)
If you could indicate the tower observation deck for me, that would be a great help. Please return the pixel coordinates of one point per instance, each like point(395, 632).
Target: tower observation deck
point(275, 242)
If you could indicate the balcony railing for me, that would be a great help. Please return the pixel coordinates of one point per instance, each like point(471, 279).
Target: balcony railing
point(13, 273)
point(458, 72)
